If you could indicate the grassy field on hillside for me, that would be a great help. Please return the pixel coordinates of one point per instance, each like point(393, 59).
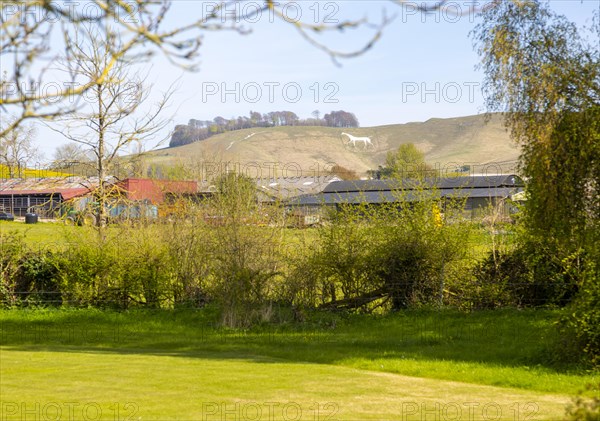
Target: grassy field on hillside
point(287, 150)
point(179, 365)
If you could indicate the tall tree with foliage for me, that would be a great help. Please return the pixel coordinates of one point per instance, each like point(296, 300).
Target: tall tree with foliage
point(408, 161)
point(545, 76)
point(405, 162)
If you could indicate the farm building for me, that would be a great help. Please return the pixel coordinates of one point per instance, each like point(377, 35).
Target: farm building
point(283, 188)
point(478, 192)
point(156, 191)
point(46, 196)
point(42, 195)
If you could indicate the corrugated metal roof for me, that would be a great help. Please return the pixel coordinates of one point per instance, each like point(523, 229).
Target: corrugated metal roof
point(67, 187)
point(469, 182)
point(388, 196)
point(282, 188)
point(287, 187)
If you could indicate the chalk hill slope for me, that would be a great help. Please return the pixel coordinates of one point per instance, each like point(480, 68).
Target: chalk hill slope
point(462, 141)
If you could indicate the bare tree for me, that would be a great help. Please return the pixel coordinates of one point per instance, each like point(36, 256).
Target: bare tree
point(113, 121)
point(17, 150)
point(70, 154)
point(34, 33)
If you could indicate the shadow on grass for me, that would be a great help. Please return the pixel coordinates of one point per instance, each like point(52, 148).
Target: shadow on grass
point(504, 338)
point(507, 348)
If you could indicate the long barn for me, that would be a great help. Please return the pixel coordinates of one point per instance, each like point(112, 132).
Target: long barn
point(45, 196)
point(478, 191)
point(42, 195)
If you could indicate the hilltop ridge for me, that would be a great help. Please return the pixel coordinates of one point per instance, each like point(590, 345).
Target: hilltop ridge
point(446, 142)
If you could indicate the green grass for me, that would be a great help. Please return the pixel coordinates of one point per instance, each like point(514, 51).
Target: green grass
point(56, 234)
point(178, 365)
point(42, 233)
point(158, 386)
point(51, 235)
point(209, 385)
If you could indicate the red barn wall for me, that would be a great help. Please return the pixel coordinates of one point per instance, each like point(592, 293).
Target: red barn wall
point(155, 190)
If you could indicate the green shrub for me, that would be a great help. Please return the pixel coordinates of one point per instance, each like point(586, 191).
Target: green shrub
point(384, 257)
point(580, 329)
point(12, 250)
point(585, 409)
point(533, 273)
point(501, 279)
point(555, 272)
point(241, 252)
point(131, 267)
point(410, 272)
point(37, 279)
point(188, 252)
point(87, 272)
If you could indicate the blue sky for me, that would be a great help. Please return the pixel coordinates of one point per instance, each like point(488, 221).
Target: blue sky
point(422, 67)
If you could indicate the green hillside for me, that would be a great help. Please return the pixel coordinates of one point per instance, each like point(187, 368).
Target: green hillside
point(446, 142)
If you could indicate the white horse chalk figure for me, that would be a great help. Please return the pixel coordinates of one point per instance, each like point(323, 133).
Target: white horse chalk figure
point(353, 139)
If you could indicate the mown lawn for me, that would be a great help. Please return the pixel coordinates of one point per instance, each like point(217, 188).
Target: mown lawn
point(179, 365)
point(40, 236)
